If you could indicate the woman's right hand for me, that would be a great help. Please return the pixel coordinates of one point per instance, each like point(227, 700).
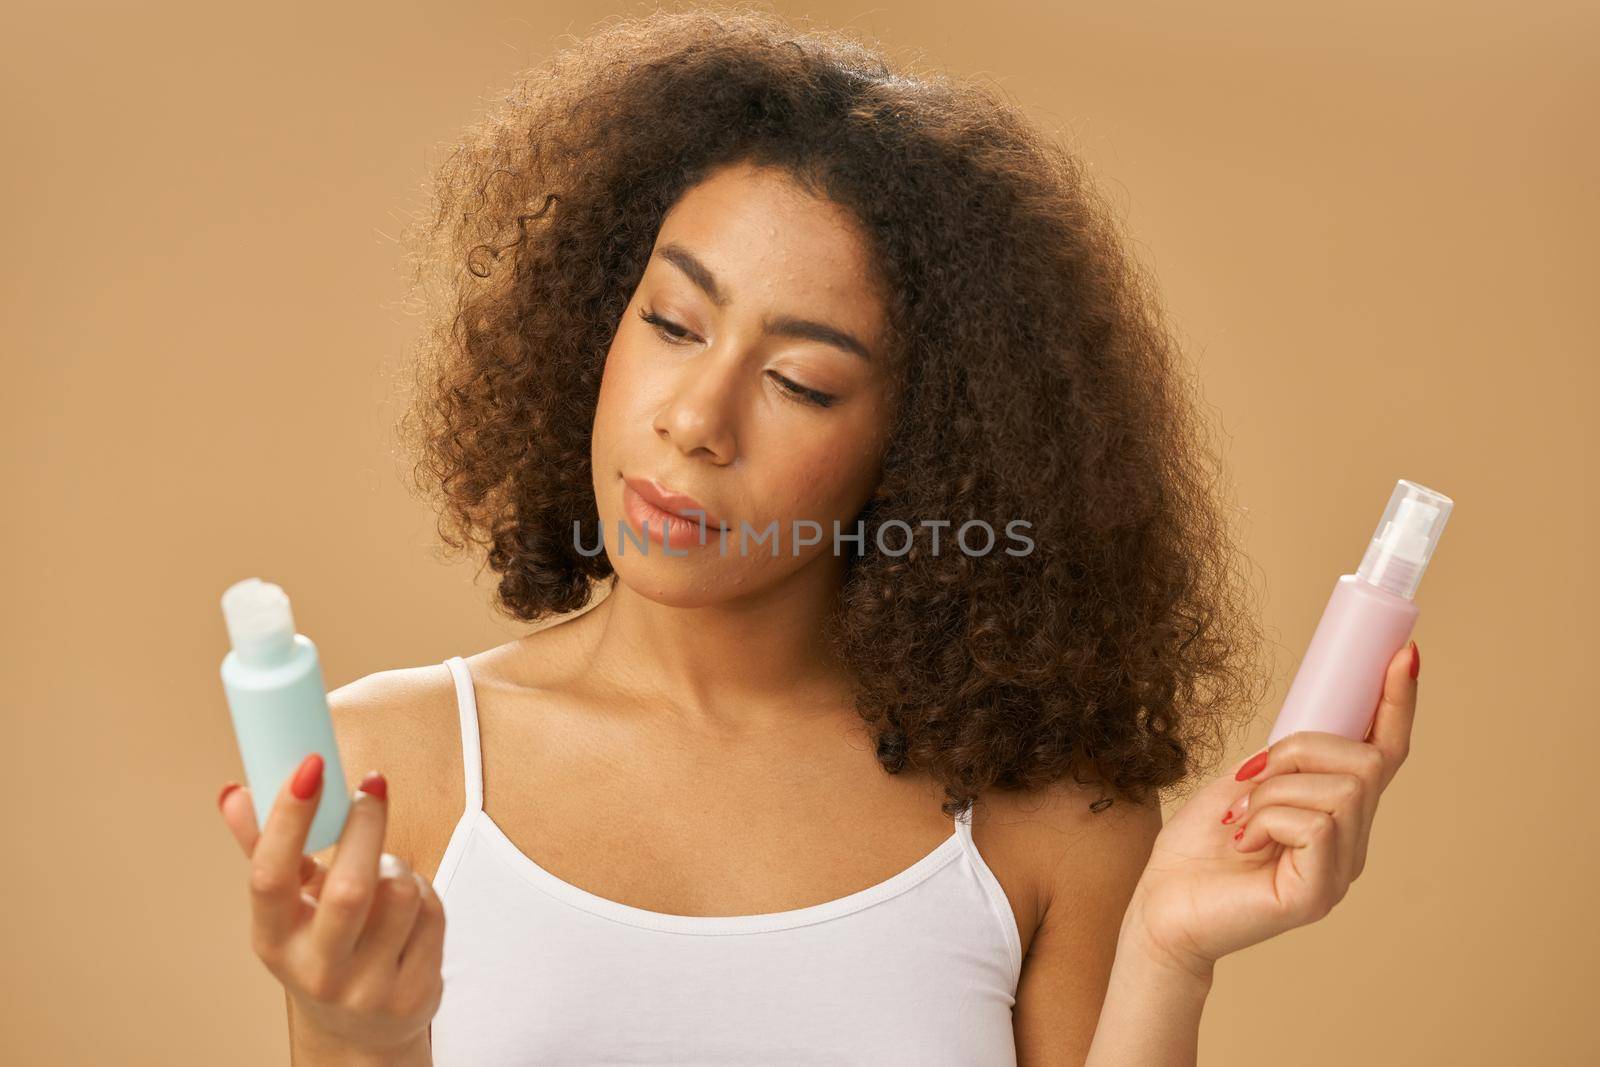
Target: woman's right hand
point(357, 943)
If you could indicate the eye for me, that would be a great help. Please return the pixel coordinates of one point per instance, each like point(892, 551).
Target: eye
point(801, 393)
point(673, 334)
point(669, 332)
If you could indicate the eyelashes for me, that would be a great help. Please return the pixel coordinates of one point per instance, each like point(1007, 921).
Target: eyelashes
point(673, 334)
point(670, 332)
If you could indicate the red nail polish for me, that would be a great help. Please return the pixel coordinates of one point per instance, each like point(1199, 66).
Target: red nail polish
point(223, 796)
point(1239, 834)
point(1227, 818)
point(1253, 768)
point(375, 785)
point(1416, 660)
point(308, 777)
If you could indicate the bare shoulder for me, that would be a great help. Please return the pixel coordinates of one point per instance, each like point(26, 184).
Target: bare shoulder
point(1047, 844)
point(1077, 868)
point(405, 723)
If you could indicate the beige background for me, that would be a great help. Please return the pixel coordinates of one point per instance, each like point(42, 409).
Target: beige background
point(1374, 224)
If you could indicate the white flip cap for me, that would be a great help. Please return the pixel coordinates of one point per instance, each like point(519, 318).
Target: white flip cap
point(258, 615)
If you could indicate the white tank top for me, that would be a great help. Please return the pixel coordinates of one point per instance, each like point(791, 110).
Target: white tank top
point(919, 969)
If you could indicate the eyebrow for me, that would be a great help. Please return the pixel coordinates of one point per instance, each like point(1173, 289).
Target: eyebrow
point(783, 325)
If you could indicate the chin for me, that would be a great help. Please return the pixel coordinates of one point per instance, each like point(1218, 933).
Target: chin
point(682, 583)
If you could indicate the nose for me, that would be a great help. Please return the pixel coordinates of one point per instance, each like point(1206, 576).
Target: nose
point(699, 415)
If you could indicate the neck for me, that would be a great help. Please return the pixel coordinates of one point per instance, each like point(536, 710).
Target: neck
point(743, 665)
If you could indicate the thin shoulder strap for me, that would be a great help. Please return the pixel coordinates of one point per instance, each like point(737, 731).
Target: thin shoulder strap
point(471, 745)
point(999, 903)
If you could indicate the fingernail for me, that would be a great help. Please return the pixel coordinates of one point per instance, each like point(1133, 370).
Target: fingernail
point(1237, 809)
point(1253, 768)
point(1227, 818)
point(1416, 660)
point(374, 785)
point(223, 796)
point(308, 777)
point(1239, 834)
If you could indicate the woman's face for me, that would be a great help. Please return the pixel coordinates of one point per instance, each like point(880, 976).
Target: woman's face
point(760, 392)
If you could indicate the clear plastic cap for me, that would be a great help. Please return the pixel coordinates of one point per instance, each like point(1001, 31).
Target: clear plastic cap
point(258, 617)
point(1406, 537)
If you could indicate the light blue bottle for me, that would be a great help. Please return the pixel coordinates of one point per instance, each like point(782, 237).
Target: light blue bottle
point(273, 680)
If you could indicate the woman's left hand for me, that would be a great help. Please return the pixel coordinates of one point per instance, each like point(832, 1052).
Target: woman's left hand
point(1246, 859)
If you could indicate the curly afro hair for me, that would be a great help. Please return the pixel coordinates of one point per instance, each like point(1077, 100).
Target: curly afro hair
point(1034, 379)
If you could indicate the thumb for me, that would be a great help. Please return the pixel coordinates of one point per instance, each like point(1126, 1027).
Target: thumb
point(1397, 710)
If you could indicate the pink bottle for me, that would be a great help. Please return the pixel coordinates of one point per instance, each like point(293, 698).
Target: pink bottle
point(1368, 619)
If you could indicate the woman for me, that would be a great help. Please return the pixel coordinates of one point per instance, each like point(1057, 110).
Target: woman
point(821, 411)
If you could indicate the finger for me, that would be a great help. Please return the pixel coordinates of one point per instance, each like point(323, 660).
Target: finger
point(1340, 795)
point(1319, 752)
point(396, 903)
point(315, 874)
point(1397, 710)
point(239, 813)
point(347, 889)
point(423, 954)
point(276, 861)
point(1307, 879)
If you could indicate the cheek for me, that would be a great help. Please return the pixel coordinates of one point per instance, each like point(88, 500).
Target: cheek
point(825, 479)
point(625, 388)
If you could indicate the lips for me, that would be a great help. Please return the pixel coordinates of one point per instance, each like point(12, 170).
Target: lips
point(681, 504)
point(667, 516)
